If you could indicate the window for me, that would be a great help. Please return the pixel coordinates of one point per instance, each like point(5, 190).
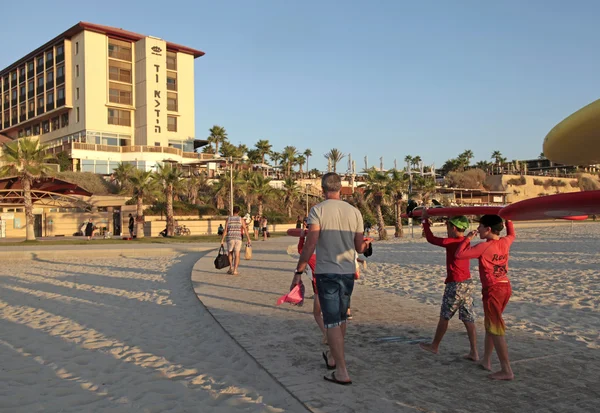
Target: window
point(77, 93)
point(36, 129)
point(49, 56)
point(64, 120)
point(40, 81)
point(61, 93)
point(60, 75)
point(45, 126)
point(30, 87)
point(171, 61)
point(77, 70)
point(22, 90)
point(76, 47)
point(172, 81)
point(40, 63)
point(30, 66)
point(119, 71)
point(14, 94)
point(119, 93)
point(171, 123)
point(87, 165)
point(119, 117)
point(55, 123)
point(6, 98)
point(77, 116)
point(13, 77)
point(172, 102)
point(50, 77)
point(119, 49)
point(31, 105)
point(60, 49)
point(50, 98)
point(41, 102)
point(23, 109)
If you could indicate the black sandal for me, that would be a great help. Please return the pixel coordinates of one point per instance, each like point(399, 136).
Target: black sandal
point(327, 362)
point(336, 381)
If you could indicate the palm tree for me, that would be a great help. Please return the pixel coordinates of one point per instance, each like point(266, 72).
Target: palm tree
point(409, 161)
point(376, 191)
point(307, 153)
point(275, 157)
point(260, 187)
point(222, 189)
point(483, 165)
point(290, 191)
point(264, 148)
point(335, 156)
point(218, 135)
point(143, 185)
point(25, 158)
point(416, 161)
point(289, 157)
point(467, 155)
point(246, 189)
point(396, 187)
point(193, 185)
point(122, 174)
point(300, 160)
point(169, 178)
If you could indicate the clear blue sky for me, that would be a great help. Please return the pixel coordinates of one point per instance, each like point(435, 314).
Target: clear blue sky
point(377, 78)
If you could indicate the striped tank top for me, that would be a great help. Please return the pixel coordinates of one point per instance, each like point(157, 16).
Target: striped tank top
point(234, 228)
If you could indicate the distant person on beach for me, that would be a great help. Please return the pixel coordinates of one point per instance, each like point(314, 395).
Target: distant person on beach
point(131, 225)
point(458, 293)
point(312, 261)
point(298, 223)
point(89, 229)
point(235, 228)
point(263, 223)
point(335, 229)
point(220, 229)
point(256, 226)
point(493, 271)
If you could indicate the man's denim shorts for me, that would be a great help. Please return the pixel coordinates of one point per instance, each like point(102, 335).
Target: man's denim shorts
point(334, 296)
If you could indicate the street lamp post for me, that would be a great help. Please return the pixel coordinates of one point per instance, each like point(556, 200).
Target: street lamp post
point(307, 186)
point(229, 161)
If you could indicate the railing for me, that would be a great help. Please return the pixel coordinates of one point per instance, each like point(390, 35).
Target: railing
point(120, 77)
point(172, 106)
point(68, 147)
point(172, 86)
point(120, 54)
point(123, 100)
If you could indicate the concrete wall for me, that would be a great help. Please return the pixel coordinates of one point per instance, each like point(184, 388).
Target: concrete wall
point(530, 189)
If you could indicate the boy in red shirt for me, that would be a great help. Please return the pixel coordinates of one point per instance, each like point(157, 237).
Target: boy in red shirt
point(496, 290)
point(458, 293)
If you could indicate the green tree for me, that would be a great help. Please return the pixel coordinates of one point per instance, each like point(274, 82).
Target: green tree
point(27, 159)
point(307, 153)
point(300, 160)
point(143, 187)
point(398, 184)
point(246, 189)
point(217, 136)
point(229, 150)
point(275, 157)
point(334, 156)
point(289, 158)
point(254, 156)
point(291, 192)
point(264, 148)
point(169, 179)
point(122, 173)
point(377, 192)
point(260, 187)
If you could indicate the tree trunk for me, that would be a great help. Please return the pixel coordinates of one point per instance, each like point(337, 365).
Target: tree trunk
point(170, 226)
point(249, 206)
point(260, 208)
point(139, 219)
point(289, 210)
point(381, 223)
point(399, 233)
point(30, 233)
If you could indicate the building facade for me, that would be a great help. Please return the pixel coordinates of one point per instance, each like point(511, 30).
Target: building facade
point(104, 96)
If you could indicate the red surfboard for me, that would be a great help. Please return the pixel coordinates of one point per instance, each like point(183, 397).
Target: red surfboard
point(573, 204)
point(455, 211)
point(579, 218)
point(294, 232)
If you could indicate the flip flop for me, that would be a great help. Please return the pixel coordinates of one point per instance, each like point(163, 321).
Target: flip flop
point(336, 381)
point(327, 362)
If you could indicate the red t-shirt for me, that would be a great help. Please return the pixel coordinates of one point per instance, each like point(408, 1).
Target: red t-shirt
point(457, 270)
point(492, 256)
point(312, 261)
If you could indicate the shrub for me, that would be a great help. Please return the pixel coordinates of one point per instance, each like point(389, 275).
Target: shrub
point(517, 181)
point(89, 181)
point(574, 183)
point(538, 182)
point(471, 179)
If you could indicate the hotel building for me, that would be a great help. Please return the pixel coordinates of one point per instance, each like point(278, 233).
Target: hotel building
point(103, 96)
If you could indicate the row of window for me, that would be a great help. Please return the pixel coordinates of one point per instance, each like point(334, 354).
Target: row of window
point(36, 66)
point(123, 118)
point(32, 107)
point(34, 88)
point(46, 126)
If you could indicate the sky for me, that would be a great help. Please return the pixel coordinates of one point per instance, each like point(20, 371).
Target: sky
point(379, 78)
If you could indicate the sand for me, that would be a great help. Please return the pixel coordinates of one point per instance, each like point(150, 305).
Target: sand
point(120, 335)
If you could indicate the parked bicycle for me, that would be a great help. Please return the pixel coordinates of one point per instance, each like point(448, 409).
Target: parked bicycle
point(182, 230)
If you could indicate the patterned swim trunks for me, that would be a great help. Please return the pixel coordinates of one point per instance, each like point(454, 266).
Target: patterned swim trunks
point(458, 296)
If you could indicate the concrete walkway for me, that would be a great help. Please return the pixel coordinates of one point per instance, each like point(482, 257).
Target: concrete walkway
point(389, 376)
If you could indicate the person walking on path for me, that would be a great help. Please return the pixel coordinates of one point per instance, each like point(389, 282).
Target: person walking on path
point(256, 227)
point(89, 229)
point(263, 223)
point(458, 292)
point(131, 225)
point(336, 232)
point(235, 228)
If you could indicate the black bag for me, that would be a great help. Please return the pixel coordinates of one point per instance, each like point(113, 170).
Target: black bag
point(222, 260)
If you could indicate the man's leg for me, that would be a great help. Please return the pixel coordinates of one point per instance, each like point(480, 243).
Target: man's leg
point(486, 361)
point(335, 339)
point(437, 339)
point(319, 318)
point(472, 333)
point(505, 372)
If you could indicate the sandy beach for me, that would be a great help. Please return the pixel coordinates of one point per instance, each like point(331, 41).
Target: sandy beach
point(128, 334)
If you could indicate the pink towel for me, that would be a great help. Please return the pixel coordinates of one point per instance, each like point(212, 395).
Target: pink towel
point(293, 297)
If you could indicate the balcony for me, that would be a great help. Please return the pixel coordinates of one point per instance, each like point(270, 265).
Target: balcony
point(13, 102)
point(120, 54)
point(22, 78)
point(31, 114)
point(122, 100)
point(172, 106)
point(22, 118)
point(50, 84)
point(60, 102)
point(60, 58)
point(14, 121)
point(60, 80)
point(22, 98)
point(40, 110)
point(49, 106)
point(39, 68)
point(172, 86)
point(124, 77)
point(6, 124)
point(6, 84)
point(30, 74)
point(39, 89)
point(49, 62)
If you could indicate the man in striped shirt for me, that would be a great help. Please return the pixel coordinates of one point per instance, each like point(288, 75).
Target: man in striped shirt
point(235, 228)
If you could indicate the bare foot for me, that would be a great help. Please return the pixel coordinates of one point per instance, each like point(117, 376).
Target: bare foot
point(235, 272)
point(486, 365)
point(472, 356)
point(428, 347)
point(501, 375)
